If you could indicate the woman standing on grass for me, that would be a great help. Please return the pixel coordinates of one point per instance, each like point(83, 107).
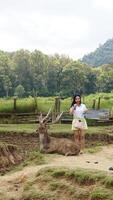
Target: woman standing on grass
point(79, 124)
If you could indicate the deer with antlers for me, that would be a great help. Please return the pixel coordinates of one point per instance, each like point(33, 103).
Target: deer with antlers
point(51, 144)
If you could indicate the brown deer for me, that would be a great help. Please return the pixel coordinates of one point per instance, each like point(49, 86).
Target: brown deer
point(51, 144)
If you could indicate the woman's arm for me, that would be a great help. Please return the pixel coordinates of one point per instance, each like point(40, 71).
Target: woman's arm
point(85, 110)
point(72, 109)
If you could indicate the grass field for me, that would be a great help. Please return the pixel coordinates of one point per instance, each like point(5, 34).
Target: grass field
point(54, 129)
point(44, 103)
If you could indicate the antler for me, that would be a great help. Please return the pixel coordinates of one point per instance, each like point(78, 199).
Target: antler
point(42, 119)
point(46, 118)
point(57, 118)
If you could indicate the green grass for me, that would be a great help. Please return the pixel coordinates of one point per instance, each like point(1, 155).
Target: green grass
point(23, 105)
point(55, 129)
point(106, 100)
point(6, 105)
point(45, 103)
point(26, 128)
point(30, 128)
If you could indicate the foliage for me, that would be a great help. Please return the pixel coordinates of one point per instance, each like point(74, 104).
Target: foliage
point(19, 91)
point(44, 75)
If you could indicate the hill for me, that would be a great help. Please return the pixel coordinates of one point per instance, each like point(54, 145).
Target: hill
point(102, 55)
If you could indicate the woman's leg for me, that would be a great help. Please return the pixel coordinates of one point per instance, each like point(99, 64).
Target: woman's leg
point(82, 140)
point(77, 137)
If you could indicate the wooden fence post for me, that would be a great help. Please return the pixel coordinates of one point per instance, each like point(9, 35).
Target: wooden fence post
point(57, 105)
point(94, 102)
point(111, 113)
point(56, 109)
point(15, 105)
point(35, 100)
point(98, 105)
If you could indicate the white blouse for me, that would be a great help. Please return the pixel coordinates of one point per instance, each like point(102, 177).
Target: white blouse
point(79, 110)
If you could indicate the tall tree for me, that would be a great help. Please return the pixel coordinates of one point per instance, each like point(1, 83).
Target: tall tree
point(23, 72)
point(5, 72)
point(39, 63)
point(73, 78)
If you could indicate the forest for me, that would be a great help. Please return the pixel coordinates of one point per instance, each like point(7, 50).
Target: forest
point(24, 73)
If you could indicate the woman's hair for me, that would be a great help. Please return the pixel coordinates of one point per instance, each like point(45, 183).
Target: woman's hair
point(73, 101)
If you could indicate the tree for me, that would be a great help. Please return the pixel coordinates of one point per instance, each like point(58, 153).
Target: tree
point(5, 72)
point(39, 65)
point(73, 79)
point(90, 80)
point(105, 78)
point(7, 85)
point(23, 71)
point(19, 91)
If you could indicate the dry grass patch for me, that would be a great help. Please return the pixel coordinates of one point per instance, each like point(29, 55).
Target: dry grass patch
point(73, 184)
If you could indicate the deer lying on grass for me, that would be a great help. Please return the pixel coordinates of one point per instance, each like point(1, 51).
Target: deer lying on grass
point(51, 144)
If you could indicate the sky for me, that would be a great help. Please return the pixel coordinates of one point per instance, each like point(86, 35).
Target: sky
point(70, 27)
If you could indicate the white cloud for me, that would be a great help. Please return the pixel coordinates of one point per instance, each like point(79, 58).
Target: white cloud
point(107, 5)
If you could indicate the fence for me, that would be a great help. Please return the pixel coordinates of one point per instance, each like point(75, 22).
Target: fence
point(94, 114)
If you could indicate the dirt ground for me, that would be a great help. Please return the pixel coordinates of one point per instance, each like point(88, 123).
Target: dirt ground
point(13, 183)
point(23, 141)
point(99, 161)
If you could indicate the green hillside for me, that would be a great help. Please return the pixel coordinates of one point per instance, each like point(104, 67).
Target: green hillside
point(102, 55)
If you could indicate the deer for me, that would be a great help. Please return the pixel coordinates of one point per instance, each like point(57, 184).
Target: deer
point(49, 144)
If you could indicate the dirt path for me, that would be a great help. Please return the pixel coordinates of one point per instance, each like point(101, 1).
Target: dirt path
point(99, 161)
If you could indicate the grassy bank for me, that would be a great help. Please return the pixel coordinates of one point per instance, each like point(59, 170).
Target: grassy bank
point(63, 183)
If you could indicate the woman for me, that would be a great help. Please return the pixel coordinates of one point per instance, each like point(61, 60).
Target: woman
point(79, 124)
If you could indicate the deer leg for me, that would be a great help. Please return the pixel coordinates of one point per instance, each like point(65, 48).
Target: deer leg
point(46, 140)
point(41, 139)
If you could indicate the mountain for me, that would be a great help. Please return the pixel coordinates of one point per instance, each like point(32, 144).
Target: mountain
point(102, 55)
